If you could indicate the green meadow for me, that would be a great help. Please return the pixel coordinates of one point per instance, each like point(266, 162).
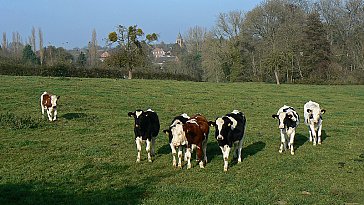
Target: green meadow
point(88, 155)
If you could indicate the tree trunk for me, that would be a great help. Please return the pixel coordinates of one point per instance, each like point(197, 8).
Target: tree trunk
point(276, 75)
point(130, 74)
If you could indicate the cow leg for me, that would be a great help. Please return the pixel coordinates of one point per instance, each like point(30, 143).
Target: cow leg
point(148, 150)
point(138, 142)
point(225, 154)
point(291, 141)
point(204, 148)
point(153, 146)
point(188, 157)
point(54, 114)
point(49, 113)
point(313, 134)
point(180, 155)
point(199, 155)
point(309, 132)
point(283, 141)
point(319, 133)
point(240, 147)
point(174, 153)
point(42, 110)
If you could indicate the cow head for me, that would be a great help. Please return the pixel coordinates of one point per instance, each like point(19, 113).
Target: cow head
point(314, 115)
point(176, 133)
point(54, 100)
point(223, 125)
point(139, 116)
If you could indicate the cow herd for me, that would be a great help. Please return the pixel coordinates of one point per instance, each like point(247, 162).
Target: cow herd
point(187, 134)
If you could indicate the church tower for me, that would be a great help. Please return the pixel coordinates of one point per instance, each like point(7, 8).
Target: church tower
point(179, 40)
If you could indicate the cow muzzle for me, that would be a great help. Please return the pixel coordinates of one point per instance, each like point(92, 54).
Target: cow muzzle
point(220, 137)
point(281, 126)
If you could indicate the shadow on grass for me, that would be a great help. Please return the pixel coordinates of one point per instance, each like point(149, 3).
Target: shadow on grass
point(324, 135)
point(72, 116)
point(299, 140)
point(250, 150)
point(52, 193)
point(165, 149)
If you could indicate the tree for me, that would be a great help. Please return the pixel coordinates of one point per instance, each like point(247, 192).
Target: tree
point(316, 49)
point(29, 56)
point(41, 48)
point(93, 49)
point(81, 59)
point(131, 42)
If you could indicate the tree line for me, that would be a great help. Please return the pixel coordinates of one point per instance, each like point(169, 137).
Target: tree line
point(279, 41)
point(289, 41)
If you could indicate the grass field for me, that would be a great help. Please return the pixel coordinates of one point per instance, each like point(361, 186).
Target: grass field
point(88, 155)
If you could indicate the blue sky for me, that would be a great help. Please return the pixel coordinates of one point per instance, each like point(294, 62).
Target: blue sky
point(69, 23)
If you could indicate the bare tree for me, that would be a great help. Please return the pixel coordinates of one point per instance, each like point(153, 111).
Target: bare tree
point(32, 40)
point(41, 48)
point(195, 38)
point(93, 48)
point(16, 45)
point(4, 43)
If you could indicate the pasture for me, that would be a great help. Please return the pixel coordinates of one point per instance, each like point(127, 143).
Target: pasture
point(88, 155)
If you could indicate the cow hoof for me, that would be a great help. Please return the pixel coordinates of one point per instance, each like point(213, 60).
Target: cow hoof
point(292, 153)
point(225, 169)
point(138, 160)
point(201, 164)
point(189, 166)
point(280, 151)
point(239, 160)
point(149, 160)
point(180, 166)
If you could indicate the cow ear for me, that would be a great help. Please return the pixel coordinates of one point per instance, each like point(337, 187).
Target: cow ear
point(58, 97)
point(166, 131)
point(275, 116)
point(211, 123)
point(323, 111)
point(131, 114)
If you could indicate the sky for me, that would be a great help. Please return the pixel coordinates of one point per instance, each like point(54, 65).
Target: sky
point(69, 23)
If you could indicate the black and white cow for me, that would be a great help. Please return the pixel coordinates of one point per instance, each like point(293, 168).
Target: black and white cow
point(49, 102)
point(313, 119)
point(177, 137)
point(229, 131)
point(146, 129)
point(288, 120)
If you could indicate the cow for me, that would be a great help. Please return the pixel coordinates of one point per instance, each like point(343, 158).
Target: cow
point(146, 129)
point(49, 102)
point(313, 119)
point(196, 131)
point(288, 120)
point(229, 133)
point(177, 138)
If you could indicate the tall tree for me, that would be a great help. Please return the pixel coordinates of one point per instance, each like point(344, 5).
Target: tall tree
point(4, 44)
point(93, 49)
point(32, 40)
point(41, 48)
point(316, 49)
point(131, 42)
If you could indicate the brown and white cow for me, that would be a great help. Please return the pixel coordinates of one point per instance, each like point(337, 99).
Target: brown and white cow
point(177, 138)
point(196, 131)
point(313, 119)
point(49, 102)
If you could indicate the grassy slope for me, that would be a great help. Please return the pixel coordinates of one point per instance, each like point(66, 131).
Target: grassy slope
point(88, 155)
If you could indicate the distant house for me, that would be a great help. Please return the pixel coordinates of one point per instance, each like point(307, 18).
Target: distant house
point(158, 52)
point(104, 55)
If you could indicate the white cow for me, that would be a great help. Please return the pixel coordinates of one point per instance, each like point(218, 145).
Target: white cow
point(49, 102)
point(313, 119)
point(288, 122)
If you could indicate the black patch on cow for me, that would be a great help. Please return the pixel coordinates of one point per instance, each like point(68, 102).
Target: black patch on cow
point(146, 125)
